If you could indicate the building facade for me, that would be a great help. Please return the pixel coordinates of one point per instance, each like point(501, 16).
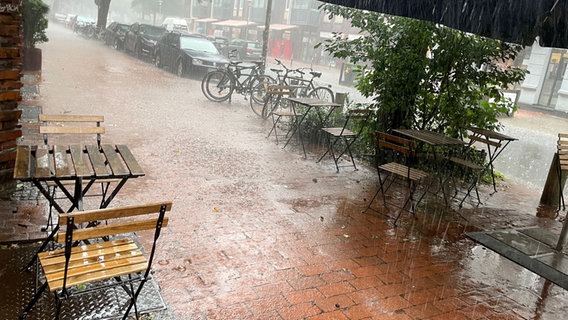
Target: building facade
point(546, 85)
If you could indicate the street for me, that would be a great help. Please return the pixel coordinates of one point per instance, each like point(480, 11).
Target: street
point(258, 232)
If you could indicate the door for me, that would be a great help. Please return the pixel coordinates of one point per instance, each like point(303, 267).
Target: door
point(553, 80)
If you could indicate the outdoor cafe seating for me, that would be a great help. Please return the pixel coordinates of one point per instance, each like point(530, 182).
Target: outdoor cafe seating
point(83, 250)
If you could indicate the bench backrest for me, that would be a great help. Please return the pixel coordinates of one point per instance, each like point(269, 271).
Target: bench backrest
point(71, 124)
point(142, 217)
point(562, 149)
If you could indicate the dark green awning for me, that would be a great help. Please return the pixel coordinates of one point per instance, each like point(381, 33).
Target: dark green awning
point(517, 21)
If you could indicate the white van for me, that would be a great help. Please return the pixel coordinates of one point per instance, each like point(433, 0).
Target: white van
point(175, 24)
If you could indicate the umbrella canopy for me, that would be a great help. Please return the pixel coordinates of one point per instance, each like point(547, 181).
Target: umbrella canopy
point(517, 21)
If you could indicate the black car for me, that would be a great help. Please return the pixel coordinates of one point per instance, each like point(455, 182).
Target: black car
point(114, 35)
point(244, 49)
point(141, 39)
point(187, 54)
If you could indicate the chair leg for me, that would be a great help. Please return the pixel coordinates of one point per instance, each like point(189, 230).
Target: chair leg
point(328, 144)
point(35, 298)
point(133, 300)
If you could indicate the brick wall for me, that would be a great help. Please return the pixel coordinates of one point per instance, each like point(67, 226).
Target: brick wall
point(11, 59)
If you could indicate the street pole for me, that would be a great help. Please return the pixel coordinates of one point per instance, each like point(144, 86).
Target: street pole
point(266, 33)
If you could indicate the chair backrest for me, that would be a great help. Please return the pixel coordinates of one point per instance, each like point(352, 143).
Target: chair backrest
point(147, 217)
point(51, 124)
point(356, 119)
point(282, 90)
point(562, 149)
point(398, 144)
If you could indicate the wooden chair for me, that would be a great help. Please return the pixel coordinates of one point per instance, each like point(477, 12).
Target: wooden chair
point(466, 164)
point(74, 128)
point(340, 139)
point(63, 124)
point(401, 153)
point(562, 165)
point(101, 264)
point(277, 107)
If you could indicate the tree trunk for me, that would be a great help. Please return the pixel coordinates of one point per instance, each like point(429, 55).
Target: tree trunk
point(102, 14)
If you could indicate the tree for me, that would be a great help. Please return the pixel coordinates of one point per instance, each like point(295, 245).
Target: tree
point(426, 76)
point(35, 22)
point(102, 13)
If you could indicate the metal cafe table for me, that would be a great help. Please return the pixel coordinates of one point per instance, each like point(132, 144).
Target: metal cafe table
point(309, 105)
point(436, 141)
point(83, 165)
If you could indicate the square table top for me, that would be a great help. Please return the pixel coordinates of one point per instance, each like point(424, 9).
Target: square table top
point(68, 162)
point(430, 137)
point(491, 134)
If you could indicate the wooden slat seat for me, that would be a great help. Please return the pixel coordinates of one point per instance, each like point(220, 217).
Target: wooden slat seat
point(65, 269)
point(404, 171)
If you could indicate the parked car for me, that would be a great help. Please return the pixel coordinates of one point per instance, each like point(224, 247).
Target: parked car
point(141, 39)
point(114, 35)
point(220, 43)
point(187, 54)
point(244, 49)
point(175, 24)
point(81, 23)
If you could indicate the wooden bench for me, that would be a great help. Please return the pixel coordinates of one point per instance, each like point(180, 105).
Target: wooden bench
point(101, 264)
point(400, 167)
point(57, 124)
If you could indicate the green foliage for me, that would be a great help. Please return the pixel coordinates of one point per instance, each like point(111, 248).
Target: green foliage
point(35, 22)
point(426, 76)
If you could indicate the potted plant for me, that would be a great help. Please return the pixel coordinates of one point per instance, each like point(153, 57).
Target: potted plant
point(35, 23)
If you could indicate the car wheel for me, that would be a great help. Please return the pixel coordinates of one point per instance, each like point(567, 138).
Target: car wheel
point(115, 45)
point(158, 61)
point(180, 69)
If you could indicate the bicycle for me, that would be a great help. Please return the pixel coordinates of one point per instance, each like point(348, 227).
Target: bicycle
point(306, 88)
point(259, 91)
point(219, 85)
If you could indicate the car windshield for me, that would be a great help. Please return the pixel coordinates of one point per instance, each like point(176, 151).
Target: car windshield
point(198, 44)
point(151, 30)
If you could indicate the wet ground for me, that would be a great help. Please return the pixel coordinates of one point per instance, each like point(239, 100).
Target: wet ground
point(257, 232)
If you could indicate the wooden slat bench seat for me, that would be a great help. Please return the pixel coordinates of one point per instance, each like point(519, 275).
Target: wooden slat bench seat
point(73, 266)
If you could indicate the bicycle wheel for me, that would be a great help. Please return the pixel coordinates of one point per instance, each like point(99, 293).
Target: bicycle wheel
point(257, 96)
point(217, 86)
point(322, 93)
point(260, 79)
point(269, 105)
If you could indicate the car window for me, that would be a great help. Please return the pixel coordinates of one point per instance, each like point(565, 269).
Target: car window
point(151, 30)
point(253, 45)
point(198, 44)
